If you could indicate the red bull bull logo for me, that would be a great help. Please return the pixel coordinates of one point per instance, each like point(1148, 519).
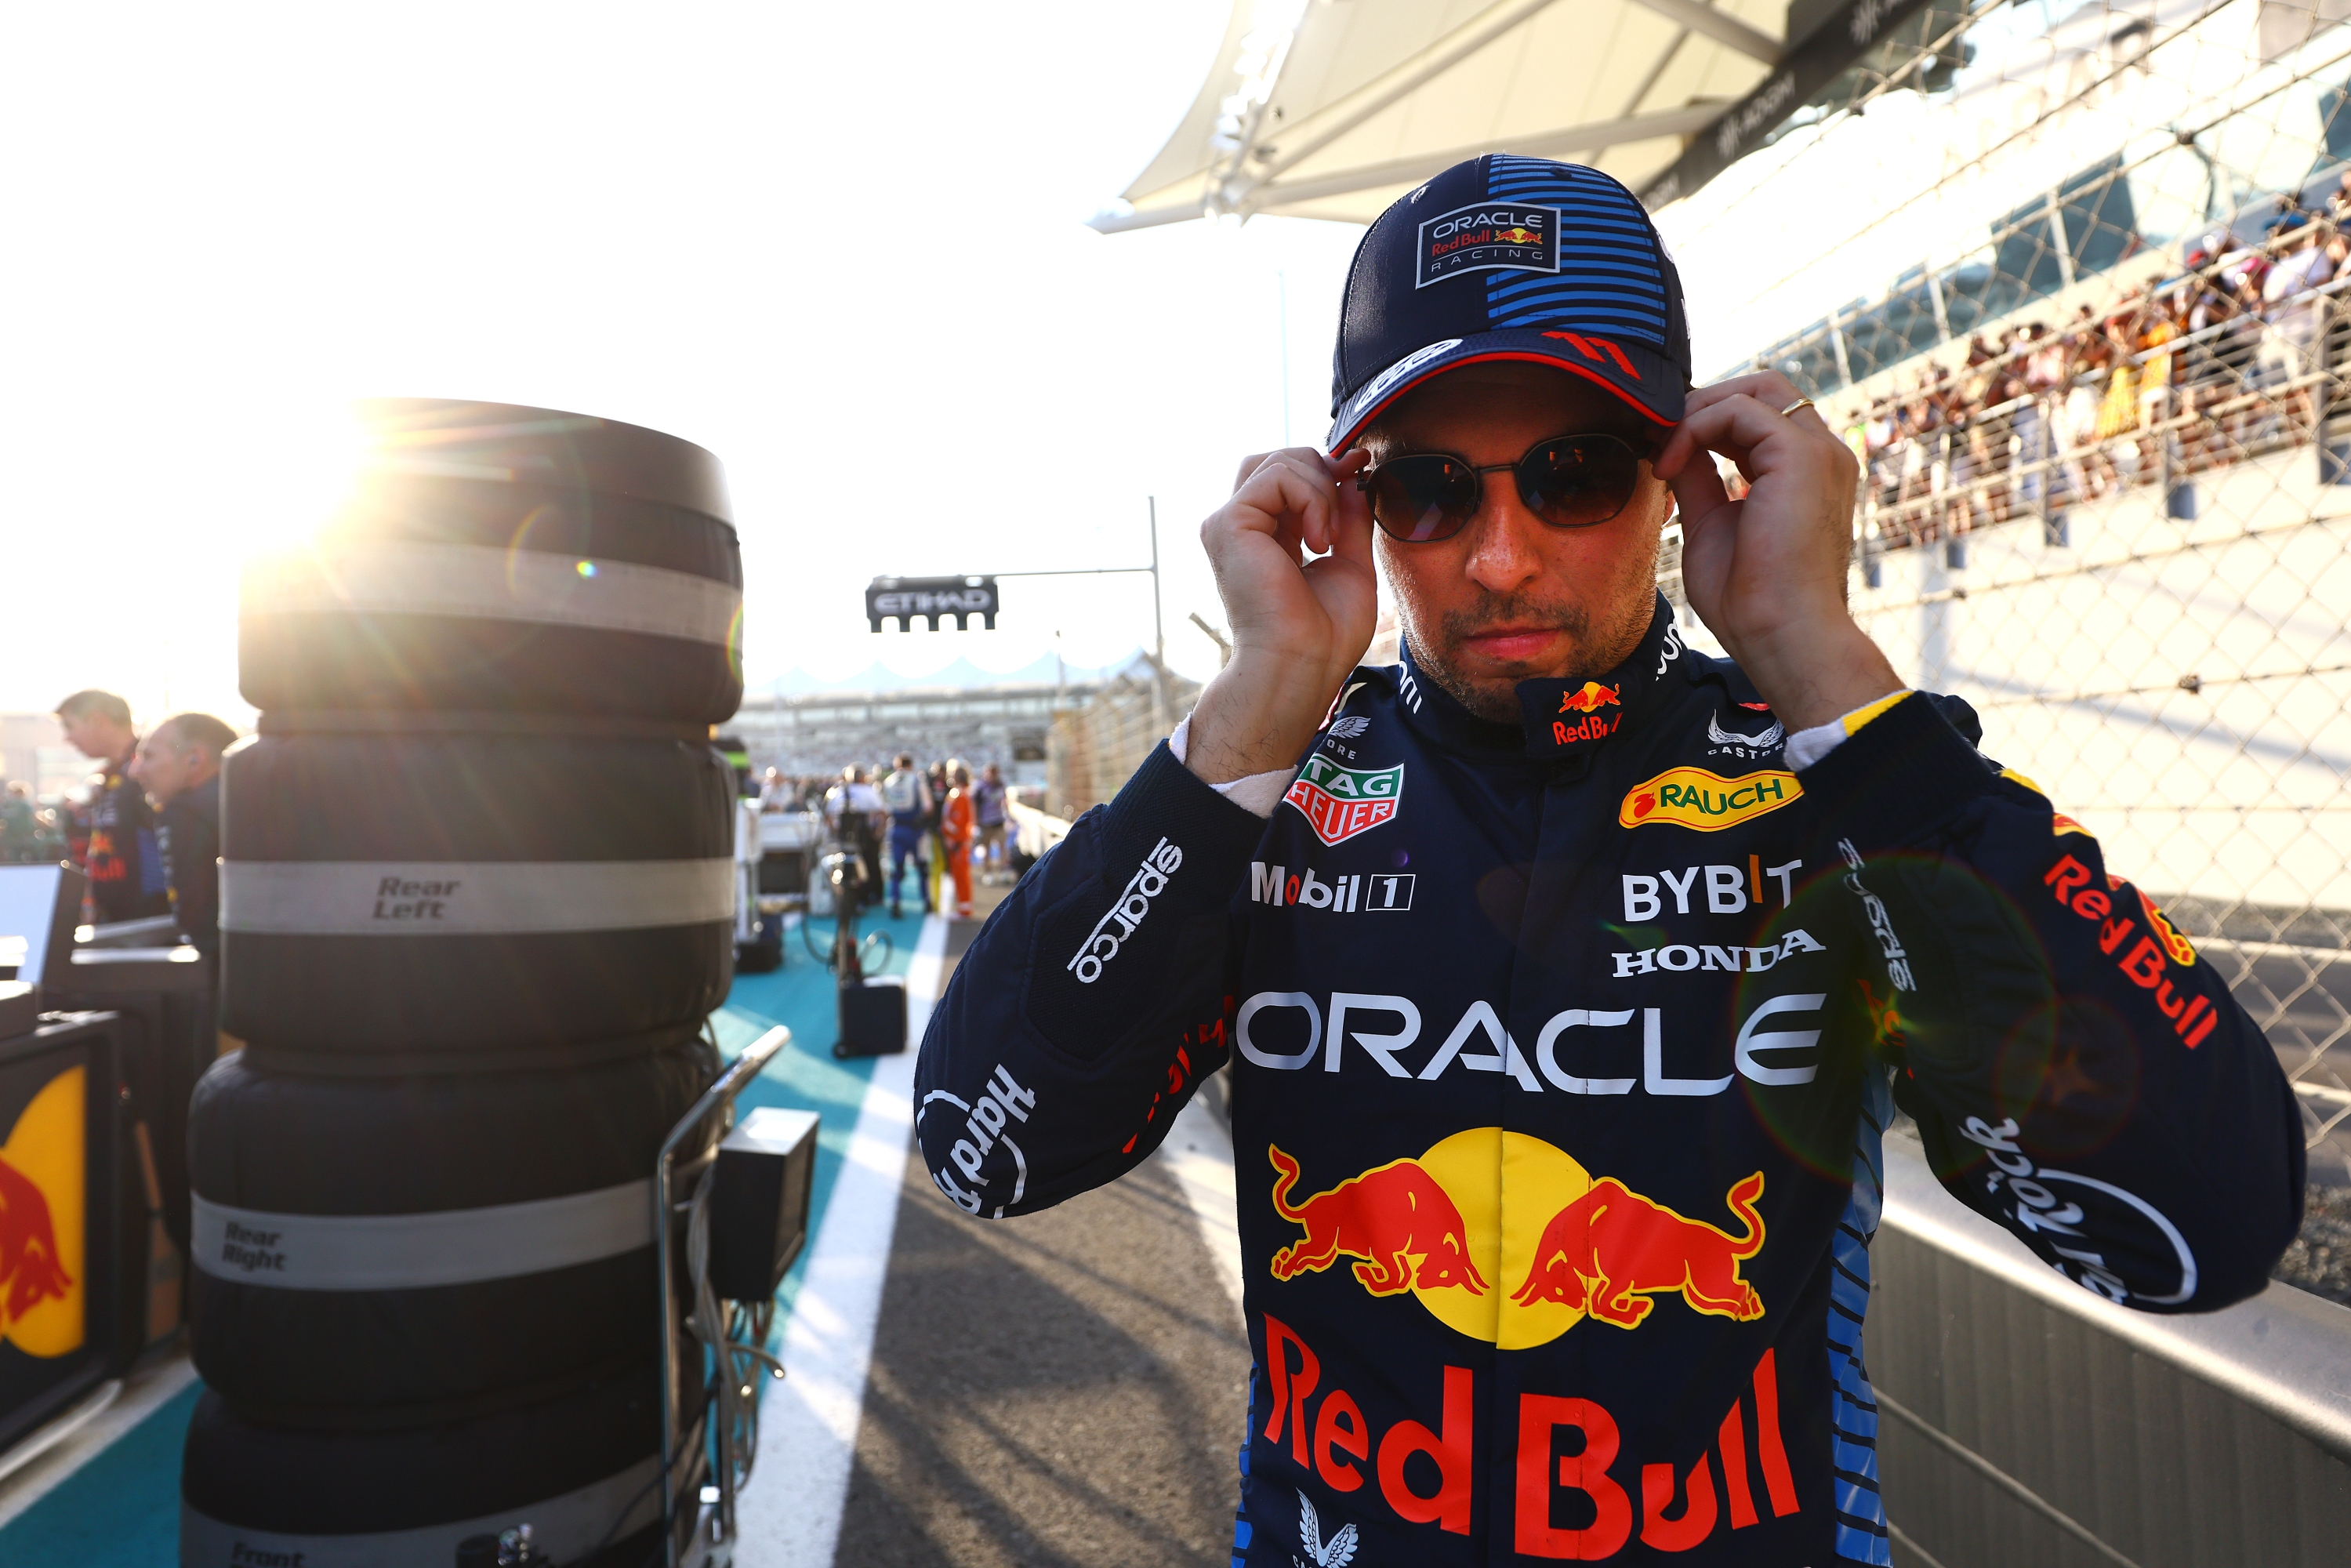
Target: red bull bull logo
point(1590, 699)
point(1577, 1245)
point(1396, 1218)
point(1611, 1250)
point(41, 1221)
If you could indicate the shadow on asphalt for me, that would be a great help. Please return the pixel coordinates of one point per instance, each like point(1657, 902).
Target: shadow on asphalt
point(1064, 1389)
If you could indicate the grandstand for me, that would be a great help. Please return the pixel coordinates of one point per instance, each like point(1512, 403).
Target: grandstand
point(2071, 280)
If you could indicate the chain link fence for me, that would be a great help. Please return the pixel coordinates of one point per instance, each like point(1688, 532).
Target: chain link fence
point(1095, 749)
point(2074, 283)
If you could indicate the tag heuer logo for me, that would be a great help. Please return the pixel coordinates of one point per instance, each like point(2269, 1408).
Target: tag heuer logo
point(1491, 234)
point(1339, 803)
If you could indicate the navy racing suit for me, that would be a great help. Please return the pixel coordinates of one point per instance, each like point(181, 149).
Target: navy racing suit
point(1560, 1054)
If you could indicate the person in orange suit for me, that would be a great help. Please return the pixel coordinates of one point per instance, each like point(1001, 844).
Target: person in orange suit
point(955, 829)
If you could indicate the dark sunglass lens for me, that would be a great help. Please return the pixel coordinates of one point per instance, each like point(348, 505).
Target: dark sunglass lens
point(1416, 499)
point(1579, 480)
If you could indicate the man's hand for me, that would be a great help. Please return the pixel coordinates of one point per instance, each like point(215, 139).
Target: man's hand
point(1768, 574)
point(1298, 625)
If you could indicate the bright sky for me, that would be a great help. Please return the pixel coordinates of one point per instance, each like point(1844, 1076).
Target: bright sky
point(840, 246)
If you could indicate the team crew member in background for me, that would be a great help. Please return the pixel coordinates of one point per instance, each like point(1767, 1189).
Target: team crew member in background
point(1570, 977)
point(988, 812)
point(855, 807)
point(908, 796)
point(935, 841)
point(123, 862)
point(956, 833)
point(179, 766)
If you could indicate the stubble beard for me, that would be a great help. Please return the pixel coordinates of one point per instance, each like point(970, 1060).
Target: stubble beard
point(1436, 650)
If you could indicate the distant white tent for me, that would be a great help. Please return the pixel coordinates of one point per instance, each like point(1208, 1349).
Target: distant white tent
point(1332, 109)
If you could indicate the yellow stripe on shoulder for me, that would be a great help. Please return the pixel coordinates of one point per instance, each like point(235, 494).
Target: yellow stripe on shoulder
point(2013, 777)
point(1862, 715)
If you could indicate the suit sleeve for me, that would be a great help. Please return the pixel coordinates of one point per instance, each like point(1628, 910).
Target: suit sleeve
point(1093, 1003)
point(2078, 1072)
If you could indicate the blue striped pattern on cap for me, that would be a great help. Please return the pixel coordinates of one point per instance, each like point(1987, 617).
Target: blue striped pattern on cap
point(1608, 278)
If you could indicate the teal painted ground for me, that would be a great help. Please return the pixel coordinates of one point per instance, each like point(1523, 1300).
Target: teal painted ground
point(123, 1508)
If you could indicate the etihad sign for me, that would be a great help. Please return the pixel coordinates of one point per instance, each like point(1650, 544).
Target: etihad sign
point(1339, 803)
point(1704, 800)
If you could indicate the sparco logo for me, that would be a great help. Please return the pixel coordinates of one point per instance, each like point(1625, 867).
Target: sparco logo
point(1148, 882)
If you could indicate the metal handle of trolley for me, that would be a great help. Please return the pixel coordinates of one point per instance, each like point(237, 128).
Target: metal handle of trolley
point(685, 1464)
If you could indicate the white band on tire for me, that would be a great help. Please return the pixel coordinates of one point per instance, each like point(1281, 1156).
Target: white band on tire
point(567, 1527)
point(417, 1252)
point(419, 898)
point(488, 583)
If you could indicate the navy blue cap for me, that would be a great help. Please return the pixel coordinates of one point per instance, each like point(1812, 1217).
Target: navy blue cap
point(1511, 258)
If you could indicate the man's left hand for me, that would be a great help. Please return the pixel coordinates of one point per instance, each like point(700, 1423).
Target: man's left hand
point(1767, 573)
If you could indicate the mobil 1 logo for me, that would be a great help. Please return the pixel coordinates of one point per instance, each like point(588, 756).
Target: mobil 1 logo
point(1355, 894)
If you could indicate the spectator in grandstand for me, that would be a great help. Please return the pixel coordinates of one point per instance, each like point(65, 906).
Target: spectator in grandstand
point(907, 795)
point(2087, 360)
point(2289, 350)
point(2157, 327)
point(988, 813)
point(179, 766)
point(124, 861)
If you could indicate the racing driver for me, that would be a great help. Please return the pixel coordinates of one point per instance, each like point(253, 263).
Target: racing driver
point(1570, 977)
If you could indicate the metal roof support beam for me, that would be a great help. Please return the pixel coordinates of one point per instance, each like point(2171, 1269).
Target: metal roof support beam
point(1317, 131)
point(1598, 135)
point(1729, 31)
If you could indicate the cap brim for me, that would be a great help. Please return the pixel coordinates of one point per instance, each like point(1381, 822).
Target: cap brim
point(1634, 373)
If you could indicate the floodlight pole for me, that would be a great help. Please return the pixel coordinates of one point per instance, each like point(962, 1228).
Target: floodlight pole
point(1158, 617)
point(1158, 631)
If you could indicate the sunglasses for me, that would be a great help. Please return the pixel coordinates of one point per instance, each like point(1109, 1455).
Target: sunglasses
point(1569, 482)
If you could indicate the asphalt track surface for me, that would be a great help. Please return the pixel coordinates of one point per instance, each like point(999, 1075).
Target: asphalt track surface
point(1065, 1388)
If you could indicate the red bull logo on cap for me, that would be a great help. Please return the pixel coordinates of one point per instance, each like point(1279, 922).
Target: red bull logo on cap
point(41, 1221)
point(1568, 1246)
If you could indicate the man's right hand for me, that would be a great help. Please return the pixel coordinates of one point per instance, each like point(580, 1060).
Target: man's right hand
point(1299, 625)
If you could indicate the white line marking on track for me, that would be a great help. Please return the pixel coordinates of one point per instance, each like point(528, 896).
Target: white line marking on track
point(1200, 1153)
point(789, 1517)
point(143, 1392)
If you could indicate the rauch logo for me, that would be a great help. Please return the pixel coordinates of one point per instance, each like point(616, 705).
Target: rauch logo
point(1341, 802)
point(1700, 799)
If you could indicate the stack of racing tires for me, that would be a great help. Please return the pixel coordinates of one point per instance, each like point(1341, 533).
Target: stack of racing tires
point(478, 902)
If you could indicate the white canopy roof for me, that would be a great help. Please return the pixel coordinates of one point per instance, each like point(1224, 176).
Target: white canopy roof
point(1333, 109)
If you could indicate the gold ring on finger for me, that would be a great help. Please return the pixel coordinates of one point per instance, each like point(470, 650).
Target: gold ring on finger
point(1800, 403)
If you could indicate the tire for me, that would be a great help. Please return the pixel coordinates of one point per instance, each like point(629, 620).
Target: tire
point(604, 577)
point(582, 1471)
point(426, 902)
point(377, 1250)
